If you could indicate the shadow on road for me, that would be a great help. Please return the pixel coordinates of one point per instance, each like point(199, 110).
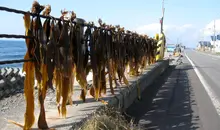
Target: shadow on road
point(167, 104)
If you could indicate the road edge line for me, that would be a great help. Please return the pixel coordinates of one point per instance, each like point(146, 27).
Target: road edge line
point(208, 89)
point(206, 54)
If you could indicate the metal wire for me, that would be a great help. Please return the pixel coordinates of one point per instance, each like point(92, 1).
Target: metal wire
point(14, 36)
point(24, 12)
point(23, 36)
point(15, 61)
point(42, 16)
point(48, 17)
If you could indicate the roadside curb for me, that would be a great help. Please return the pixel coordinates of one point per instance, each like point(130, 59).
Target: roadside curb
point(130, 93)
point(207, 53)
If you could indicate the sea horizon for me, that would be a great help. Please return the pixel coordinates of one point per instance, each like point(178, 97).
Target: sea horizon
point(12, 49)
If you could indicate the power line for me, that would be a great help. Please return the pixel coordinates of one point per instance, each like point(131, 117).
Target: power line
point(169, 40)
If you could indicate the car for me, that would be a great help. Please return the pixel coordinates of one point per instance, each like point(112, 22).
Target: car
point(170, 49)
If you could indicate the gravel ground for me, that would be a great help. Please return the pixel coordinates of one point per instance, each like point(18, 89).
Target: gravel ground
point(9, 103)
point(14, 106)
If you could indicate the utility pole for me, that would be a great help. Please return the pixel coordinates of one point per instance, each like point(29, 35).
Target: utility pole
point(203, 37)
point(161, 21)
point(214, 35)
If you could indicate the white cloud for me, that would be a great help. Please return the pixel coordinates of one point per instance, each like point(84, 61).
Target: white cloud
point(186, 33)
point(152, 29)
point(209, 28)
point(189, 34)
point(155, 27)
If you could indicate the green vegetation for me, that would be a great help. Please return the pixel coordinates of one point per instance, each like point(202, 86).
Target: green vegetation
point(217, 53)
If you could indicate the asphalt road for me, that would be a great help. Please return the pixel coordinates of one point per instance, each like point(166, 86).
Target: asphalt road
point(208, 101)
point(179, 99)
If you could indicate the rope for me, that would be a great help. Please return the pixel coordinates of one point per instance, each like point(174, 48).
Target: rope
point(25, 12)
point(47, 17)
point(14, 36)
point(42, 16)
point(14, 61)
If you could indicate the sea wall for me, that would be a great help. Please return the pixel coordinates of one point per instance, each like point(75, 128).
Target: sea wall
point(11, 81)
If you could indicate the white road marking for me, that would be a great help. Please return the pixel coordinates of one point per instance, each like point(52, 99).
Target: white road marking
point(208, 89)
point(207, 54)
point(213, 56)
point(214, 59)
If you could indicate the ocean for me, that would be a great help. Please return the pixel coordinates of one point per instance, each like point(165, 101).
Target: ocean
point(12, 50)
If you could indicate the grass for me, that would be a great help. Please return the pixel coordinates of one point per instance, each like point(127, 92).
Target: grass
point(217, 53)
point(108, 118)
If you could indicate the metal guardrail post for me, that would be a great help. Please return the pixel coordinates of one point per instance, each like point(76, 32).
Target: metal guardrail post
point(160, 47)
point(163, 46)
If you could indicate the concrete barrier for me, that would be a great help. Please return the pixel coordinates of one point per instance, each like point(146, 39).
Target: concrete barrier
point(129, 94)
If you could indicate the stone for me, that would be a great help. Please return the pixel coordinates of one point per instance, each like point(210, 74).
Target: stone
point(2, 81)
point(16, 71)
point(13, 89)
point(1, 94)
point(8, 72)
point(13, 80)
point(2, 84)
point(3, 71)
point(7, 92)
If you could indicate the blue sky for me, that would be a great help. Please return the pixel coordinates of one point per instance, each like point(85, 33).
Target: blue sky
point(183, 18)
